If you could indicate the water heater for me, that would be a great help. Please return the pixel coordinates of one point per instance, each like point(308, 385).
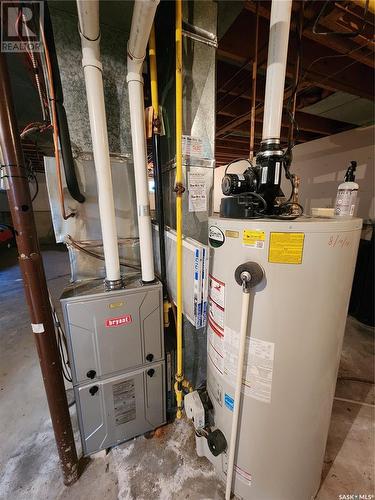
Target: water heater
point(295, 331)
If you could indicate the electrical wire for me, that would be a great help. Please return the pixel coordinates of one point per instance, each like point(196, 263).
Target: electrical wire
point(348, 34)
point(235, 161)
point(55, 127)
point(62, 345)
point(35, 69)
point(82, 249)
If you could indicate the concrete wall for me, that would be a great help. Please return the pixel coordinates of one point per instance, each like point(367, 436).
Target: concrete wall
point(321, 164)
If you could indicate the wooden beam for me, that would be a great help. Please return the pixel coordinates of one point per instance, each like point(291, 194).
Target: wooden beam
point(339, 44)
point(335, 73)
point(306, 121)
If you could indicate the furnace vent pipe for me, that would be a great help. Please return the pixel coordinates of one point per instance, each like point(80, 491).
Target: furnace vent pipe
point(276, 68)
point(88, 14)
point(143, 17)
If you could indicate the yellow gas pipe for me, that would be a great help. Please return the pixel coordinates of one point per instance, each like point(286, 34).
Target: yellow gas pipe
point(156, 123)
point(154, 78)
point(180, 383)
point(179, 188)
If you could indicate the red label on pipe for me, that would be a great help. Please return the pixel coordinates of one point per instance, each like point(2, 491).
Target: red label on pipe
point(120, 321)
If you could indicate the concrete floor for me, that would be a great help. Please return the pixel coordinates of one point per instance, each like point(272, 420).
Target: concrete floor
point(164, 467)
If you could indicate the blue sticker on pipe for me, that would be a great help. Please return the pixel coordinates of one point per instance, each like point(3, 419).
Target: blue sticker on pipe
point(229, 402)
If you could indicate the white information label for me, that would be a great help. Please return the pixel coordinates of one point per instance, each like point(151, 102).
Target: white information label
point(197, 192)
point(257, 381)
point(215, 342)
point(216, 314)
point(192, 146)
point(216, 291)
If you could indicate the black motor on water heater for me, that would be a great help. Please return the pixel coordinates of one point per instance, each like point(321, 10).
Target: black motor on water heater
point(256, 191)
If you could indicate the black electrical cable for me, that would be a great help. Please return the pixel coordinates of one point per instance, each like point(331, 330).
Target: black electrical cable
point(235, 161)
point(348, 34)
point(158, 178)
point(62, 122)
point(36, 188)
point(62, 345)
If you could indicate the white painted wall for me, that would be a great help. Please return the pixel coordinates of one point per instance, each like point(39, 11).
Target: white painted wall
point(321, 164)
point(237, 168)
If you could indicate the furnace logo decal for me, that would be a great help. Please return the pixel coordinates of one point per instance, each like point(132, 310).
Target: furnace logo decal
point(120, 321)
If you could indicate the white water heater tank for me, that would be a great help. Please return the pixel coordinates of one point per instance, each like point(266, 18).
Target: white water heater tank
point(295, 331)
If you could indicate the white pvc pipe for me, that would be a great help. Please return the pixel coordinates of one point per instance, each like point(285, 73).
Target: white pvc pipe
point(276, 67)
point(143, 16)
point(237, 393)
point(88, 13)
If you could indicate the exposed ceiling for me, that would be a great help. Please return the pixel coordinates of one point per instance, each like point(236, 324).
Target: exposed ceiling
point(336, 83)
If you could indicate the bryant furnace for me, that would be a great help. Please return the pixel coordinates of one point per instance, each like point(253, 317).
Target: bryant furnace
point(116, 351)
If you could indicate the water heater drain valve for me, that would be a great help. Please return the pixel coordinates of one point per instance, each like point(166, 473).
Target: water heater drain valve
point(197, 404)
point(194, 410)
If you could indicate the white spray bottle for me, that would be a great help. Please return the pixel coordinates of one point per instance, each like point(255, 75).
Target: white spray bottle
point(347, 193)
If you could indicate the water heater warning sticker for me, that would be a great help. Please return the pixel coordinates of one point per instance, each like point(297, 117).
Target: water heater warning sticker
point(253, 239)
point(286, 248)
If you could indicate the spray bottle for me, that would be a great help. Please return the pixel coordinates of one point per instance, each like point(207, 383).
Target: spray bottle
point(347, 193)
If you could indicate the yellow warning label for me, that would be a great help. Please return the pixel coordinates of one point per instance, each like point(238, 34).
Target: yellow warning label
point(254, 239)
point(286, 248)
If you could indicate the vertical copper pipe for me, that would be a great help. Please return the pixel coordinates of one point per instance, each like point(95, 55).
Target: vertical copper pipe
point(31, 264)
point(296, 75)
point(254, 86)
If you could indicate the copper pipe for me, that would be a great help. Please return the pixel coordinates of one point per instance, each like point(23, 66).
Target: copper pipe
point(254, 87)
point(36, 291)
point(55, 129)
point(296, 76)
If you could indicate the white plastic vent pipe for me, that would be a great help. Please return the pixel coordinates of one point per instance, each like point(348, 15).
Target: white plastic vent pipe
point(143, 16)
point(88, 14)
point(276, 67)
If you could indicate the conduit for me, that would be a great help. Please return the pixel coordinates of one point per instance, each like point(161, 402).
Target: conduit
point(276, 68)
point(143, 16)
point(88, 14)
point(179, 192)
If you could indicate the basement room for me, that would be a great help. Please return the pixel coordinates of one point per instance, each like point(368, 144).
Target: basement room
point(187, 216)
